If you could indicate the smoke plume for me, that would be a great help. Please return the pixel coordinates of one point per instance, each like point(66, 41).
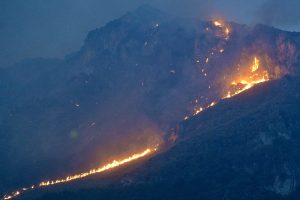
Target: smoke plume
point(280, 13)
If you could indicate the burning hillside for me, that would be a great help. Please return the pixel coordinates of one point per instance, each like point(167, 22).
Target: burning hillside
point(240, 77)
point(140, 71)
point(243, 79)
point(247, 78)
point(109, 166)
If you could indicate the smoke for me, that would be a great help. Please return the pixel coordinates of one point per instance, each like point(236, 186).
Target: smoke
point(35, 28)
point(55, 28)
point(190, 8)
point(280, 13)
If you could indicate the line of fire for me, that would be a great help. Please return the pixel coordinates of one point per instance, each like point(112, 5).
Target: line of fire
point(254, 72)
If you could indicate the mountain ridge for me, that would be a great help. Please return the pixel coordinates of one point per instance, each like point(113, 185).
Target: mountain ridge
point(132, 81)
point(257, 163)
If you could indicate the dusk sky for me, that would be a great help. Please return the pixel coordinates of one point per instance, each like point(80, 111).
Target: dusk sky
point(36, 28)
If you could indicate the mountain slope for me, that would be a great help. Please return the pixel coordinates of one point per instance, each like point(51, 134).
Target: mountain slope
point(254, 154)
point(132, 81)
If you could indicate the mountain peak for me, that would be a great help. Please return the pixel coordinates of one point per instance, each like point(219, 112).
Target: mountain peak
point(146, 11)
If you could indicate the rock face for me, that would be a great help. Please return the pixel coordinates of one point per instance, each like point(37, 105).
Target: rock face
point(133, 80)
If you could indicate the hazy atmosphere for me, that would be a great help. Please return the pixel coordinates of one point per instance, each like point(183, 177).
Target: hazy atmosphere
point(37, 28)
point(149, 100)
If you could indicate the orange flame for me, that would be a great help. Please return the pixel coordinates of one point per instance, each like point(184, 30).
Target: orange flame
point(224, 27)
point(112, 165)
point(255, 65)
point(256, 76)
point(217, 23)
point(201, 109)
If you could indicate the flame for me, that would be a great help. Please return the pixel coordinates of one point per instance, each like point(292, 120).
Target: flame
point(197, 111)
point(212, 104)
point(224, 27)
point(217, 23)
point(257, 75)
point(255, 65)
point(227, 31)
point(112, 165)
point(201, 109)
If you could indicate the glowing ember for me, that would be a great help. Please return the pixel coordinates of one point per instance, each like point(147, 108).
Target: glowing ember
point(197, 111)
point(201, 109)
point(255, 65)
point(225, 35)
point(212, 104)
point(224, 27)
point(113, 164)
point(254, 75)
point(217, 23)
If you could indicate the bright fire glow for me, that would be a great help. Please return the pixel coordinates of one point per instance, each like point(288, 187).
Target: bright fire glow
point(201, 109)
point(255, 65)
point(197, 111)
point(227, 31)
point(224, 27)
point(113, 164)
point(217, 23)
point(255, 76)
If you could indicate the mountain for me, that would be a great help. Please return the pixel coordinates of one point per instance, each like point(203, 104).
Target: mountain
point(131, 83)
point(246, 147)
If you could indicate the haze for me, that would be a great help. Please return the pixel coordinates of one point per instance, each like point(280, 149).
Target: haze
point(36, 28)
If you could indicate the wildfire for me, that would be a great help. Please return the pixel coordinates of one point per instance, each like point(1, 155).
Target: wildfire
point(201, 109)
point(217, 23)
point(255, 76)
point(224, 27)
point(112, 165)
point(255, 65)
point(245, 80)
point(197, 111)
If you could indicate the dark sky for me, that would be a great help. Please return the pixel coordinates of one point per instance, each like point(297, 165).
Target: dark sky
point(53, 28)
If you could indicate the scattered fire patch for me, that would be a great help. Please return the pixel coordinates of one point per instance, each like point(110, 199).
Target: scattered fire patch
point(241, 80)
point(224, 28)
point(253, 75)
point(245, 79)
